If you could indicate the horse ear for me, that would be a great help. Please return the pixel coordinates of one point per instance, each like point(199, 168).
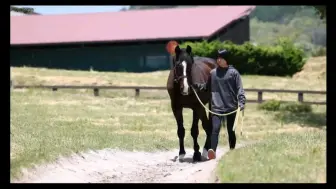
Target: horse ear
point(188, 49)
point(177, 50)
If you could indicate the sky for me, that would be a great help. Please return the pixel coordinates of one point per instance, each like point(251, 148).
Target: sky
point(74, 9)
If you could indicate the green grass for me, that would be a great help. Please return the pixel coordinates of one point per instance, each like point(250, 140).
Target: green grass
point(46, 124)
point(291, 157)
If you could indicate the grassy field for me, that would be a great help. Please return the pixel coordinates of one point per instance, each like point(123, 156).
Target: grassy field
point(313, 77)
point(46, 124)
point(291, 157)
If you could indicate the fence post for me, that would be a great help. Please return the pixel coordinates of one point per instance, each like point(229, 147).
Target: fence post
point(96, 92)
point(137, 92)
point(260, 97)
point(54, 89)
point(300, 97)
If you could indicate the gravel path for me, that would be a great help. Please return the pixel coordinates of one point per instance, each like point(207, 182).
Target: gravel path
point(113, 166)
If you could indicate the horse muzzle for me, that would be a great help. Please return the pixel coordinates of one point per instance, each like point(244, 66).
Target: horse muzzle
point(184, 91)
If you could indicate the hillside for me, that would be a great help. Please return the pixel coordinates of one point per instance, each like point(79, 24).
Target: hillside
point(315, 68)
point(303, 27)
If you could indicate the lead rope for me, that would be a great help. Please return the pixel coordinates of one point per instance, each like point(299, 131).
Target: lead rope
point(236, 117)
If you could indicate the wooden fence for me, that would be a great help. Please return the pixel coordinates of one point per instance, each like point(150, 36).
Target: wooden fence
point(138, 88)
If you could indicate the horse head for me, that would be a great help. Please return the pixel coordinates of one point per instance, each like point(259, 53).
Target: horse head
point(182, 68)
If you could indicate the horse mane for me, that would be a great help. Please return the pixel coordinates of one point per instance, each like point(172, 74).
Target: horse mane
point(201, 69)
point(205, 60)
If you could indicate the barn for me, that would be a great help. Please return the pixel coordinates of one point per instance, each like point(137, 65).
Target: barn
point(132, 41)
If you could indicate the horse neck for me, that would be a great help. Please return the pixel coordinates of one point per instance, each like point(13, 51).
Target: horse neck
point(200, 72)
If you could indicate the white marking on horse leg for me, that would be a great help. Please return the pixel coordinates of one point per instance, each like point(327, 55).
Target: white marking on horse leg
point(185, 81)
point(181, 157)
point(205, 153)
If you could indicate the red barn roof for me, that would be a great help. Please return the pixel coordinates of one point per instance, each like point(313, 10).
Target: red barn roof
point(178, 23)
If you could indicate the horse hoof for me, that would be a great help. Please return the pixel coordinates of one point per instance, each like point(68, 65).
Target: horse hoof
point(181, 157)
point(197, 156)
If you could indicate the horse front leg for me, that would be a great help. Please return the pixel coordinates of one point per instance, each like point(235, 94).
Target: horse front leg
point(180, 130)
point(194, 134)
point(207, 126)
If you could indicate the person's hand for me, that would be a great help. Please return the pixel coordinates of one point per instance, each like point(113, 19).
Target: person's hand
point(196, 86)
point(199, 87)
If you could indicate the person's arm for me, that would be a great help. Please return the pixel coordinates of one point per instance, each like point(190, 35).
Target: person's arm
point(240, 92)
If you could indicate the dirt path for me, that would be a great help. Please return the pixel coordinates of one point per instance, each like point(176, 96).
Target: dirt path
point(111, 166)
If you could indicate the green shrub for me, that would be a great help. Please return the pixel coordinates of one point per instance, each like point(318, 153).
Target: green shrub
point(296, 107)
point(283, 59)
point(270, 105)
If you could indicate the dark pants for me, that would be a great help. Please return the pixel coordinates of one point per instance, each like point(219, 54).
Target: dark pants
point(217, 121)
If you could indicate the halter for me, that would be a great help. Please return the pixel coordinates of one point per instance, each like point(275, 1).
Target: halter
point(176, 80)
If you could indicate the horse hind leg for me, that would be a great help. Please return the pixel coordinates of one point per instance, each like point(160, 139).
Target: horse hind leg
point(194, 134)
point(180, 131)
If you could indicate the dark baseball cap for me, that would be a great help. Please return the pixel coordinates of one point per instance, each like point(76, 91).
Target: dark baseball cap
point(222, 53)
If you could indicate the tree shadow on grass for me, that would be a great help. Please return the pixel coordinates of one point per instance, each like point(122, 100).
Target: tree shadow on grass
point(310, 119)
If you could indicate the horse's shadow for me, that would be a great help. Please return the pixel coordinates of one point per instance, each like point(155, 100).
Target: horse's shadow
point(188, 160)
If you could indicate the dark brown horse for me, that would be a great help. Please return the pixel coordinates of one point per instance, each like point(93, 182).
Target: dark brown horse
point(188, 70)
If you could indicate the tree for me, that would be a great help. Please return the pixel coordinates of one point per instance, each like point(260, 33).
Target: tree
point(321, 11)
point(124, 9)
point(25, 10)
point(135, 7)
point(275, 13)
point(262, 13)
